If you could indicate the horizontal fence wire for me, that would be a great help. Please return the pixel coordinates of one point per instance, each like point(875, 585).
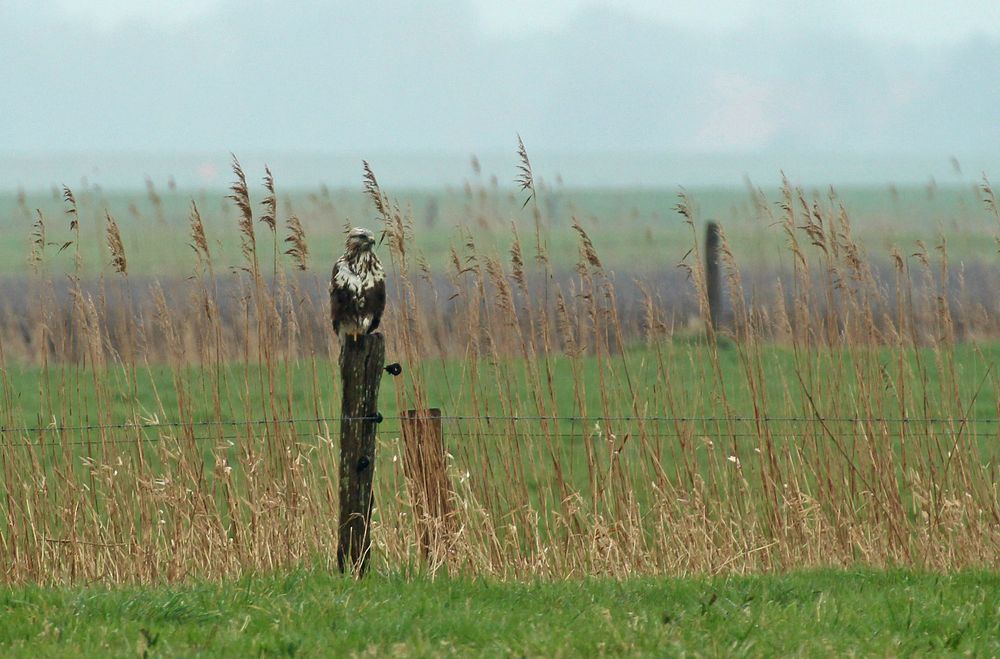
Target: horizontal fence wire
point(465, 430)
point(97, 443)
point(131, 425)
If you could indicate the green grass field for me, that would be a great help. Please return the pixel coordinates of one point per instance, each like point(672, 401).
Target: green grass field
point(312, 613)
point(448, 385)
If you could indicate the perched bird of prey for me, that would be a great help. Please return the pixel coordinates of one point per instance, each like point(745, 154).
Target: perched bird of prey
point(357, 287)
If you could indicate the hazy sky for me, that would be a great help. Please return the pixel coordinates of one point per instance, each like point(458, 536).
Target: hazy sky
point(788, 79)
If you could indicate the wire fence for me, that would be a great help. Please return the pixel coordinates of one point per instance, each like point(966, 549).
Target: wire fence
point(488, 418)
point(55, 436)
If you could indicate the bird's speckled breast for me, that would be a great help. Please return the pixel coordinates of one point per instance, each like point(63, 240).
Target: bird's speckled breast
point(358, 275)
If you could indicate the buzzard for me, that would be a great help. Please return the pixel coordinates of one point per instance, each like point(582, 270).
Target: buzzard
point(357, 287)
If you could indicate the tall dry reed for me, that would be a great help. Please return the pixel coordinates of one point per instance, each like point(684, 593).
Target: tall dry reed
point(831, 420)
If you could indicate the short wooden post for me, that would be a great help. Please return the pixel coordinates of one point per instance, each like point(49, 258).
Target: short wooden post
point(713, 278)
point(426, 472)
point(361, 363)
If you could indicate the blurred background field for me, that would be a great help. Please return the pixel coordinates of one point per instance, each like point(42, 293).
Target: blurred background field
point(636, 229)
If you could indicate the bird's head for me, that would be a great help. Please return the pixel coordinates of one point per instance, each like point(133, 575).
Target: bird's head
point(360, 240)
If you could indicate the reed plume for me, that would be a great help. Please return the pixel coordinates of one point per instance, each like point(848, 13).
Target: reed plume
point(114, 237)
point(241, 197)
point(298, 247)
point(525, 175)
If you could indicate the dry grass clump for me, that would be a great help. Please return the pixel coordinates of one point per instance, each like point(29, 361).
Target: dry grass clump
point(825, 420)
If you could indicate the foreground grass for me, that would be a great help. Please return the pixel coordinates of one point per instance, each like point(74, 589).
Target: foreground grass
point(314, 613)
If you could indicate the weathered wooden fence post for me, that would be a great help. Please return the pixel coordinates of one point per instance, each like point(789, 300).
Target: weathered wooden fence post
point(361, 363)
point(426, 471)
point(713, 278)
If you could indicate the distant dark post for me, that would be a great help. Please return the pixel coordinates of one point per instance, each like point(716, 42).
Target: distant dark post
point(361, 363)
point(427, 473)
point(713, 280)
